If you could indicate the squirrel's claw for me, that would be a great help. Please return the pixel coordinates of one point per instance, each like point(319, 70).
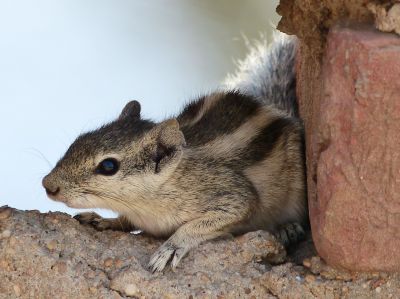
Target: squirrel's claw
point(94, 220)
point(166, 253)
point(178, 255)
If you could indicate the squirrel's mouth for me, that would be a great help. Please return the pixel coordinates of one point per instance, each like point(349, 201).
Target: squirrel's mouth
point(76, 202)
point(57, 197)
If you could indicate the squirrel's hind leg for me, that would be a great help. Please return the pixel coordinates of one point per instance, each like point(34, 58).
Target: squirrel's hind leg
point(290, 234)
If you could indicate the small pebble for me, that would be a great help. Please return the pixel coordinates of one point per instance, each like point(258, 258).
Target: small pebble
point(204, 278)
point(3, 264)
point(118, 263)
point(108, 262)
point(115, 295)
point(344, 277)
point(307, 263)
point(377, 283)
point(93, 290)
point(51, 245)
point(55, 221)
point(327, 275)
point(17, 290)
point(310, 278)
point(61, 267)
point(131, 290)
point(90, 274)
point(6, 234)
point(378, 289)
point(13, 241)
point(247, 291)
point(4, 214)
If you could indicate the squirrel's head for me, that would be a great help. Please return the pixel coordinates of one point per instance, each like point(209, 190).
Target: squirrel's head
point(124, 159)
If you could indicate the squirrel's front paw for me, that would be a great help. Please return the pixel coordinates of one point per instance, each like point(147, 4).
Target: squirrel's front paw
point(95, 220)
point(164, 254)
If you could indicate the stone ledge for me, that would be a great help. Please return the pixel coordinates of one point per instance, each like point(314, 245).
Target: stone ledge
point(42, 254)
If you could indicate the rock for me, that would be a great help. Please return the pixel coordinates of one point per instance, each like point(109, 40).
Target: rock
point(310, 278)
point(5, 212)
point(17, 290)
point(131, 290)
point(52, 252)
point(356, 218)
point(307, 263)
point(113, 264)
point(311, 21)
point(108, 262)
point(5, 234)
point(387, 16)
point(51, 245)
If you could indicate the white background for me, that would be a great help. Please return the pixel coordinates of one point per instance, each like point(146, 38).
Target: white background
point(67, 66)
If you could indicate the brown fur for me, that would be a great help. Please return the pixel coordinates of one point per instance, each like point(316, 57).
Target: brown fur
point(228, 164)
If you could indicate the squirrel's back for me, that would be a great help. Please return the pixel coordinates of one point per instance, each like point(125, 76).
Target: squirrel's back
point(245, 141)
point(254, 130)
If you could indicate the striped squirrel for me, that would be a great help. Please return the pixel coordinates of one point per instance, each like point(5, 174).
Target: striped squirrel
point(230, 162)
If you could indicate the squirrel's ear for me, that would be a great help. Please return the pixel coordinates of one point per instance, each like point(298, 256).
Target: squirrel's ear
point(166, 140)
point(131, 110)
point(169, 134)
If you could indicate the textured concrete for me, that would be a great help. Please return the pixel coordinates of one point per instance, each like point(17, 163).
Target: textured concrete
point(53, 256)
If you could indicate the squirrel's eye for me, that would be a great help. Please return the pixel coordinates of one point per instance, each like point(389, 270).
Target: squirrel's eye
point(108, 166)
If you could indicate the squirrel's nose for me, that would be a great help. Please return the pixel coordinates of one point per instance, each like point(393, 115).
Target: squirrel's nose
point(50, 187)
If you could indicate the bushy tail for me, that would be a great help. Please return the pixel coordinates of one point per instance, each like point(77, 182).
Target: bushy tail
point(268, 73)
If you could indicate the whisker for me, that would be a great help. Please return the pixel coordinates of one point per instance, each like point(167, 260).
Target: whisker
point(41, 155)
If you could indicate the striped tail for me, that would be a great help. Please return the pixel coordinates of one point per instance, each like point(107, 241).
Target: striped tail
point(268, 73)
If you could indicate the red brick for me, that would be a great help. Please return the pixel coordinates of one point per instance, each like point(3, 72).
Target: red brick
point(356, 217)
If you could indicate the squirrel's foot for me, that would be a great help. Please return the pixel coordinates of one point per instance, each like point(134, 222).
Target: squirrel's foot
point(290, 234)
point(211, 226)
point(167, 252)
point(91, 218)
point(95, 220)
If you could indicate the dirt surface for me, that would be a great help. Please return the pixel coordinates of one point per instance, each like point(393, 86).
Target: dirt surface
point(46, 254)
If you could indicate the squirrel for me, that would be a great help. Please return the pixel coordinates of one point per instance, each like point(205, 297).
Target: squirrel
point(230, 162)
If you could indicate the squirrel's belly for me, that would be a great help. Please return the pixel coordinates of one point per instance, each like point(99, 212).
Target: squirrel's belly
point(160, 226)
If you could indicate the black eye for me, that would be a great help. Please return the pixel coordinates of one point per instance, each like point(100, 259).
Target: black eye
point(108, 166)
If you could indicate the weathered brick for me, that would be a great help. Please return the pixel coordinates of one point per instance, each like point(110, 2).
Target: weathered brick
point(355, 217)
